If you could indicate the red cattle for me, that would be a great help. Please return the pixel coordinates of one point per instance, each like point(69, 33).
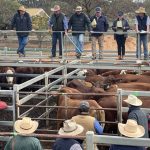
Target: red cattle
point(129, 78)
point(66, 113)
point(76, 94)
point(85, 87)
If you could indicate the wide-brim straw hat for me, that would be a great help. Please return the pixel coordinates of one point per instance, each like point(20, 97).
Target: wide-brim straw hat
point(25, 126)
point(131, 129)
point(133, 100)
point(70, 127)
point(21, 8)
point(141, 10)
point(78, 8)
point(56, 8)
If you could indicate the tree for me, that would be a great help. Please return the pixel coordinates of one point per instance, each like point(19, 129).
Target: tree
point(7, 8)
point(40, 23)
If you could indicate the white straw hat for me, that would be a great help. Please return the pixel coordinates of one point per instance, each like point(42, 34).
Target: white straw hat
point(141, 10)
point(133, 100)
point(70, 127)
point(25, 126)
point(22, 8)
point(131, 129)
point(56, 8)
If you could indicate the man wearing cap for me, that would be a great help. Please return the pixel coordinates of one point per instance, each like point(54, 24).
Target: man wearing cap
point(120, 25)
point(135, 113)
point(58, 24)
point(22, 22)
point(78, 23)
point(142, 23)
point(132, 130)
point(70, 128)
point(22, 141)
point(88, 122)
point(99, 24)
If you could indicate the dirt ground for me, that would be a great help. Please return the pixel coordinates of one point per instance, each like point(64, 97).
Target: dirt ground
point(110, 43)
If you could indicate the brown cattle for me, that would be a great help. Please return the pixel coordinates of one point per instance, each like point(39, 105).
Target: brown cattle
point(135, 86)
point(76, 94)
point(66, 113)
point(85, 87)
point(129, 78)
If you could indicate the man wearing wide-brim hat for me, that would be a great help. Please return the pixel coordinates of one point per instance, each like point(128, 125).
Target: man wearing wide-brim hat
point(70, 128)
point(22, 141)
point(135, 112)
point(78, 23)
point(132, 130)
point(22, 22)
point(142, 23)
point(58, 25)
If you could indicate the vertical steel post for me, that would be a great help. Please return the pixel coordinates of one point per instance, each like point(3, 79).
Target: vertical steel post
point(90, 140)
point(138, 46)
point(16, 95)
point(119, 105)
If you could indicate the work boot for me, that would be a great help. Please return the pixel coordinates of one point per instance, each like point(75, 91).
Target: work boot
point(78, 55)
point(123, 57)
point(94, 56)
point(119, 57)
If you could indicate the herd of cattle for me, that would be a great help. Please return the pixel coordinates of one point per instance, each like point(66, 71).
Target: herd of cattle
point(99, 88)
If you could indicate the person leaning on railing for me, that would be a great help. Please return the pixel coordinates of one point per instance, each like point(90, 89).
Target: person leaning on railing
point(120, 25)
point(142, 23)
point(58, 24)
point(78, 23)
point(22, 22)
point(99, 23)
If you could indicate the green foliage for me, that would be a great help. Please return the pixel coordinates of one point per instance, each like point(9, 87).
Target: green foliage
point(40, 22)
point(7, 10)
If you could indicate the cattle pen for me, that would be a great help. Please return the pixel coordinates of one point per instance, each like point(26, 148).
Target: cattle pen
point(36, 97)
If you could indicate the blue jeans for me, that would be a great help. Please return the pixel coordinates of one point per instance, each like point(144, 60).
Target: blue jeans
point(143, 39)
point(23, 40)
point(78, 40)
point(56, 36)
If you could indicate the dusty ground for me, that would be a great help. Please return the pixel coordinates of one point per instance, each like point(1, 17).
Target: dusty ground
point(110, 43)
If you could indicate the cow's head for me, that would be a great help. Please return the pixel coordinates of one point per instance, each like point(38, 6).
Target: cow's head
point(10, 79)
point(82, 72)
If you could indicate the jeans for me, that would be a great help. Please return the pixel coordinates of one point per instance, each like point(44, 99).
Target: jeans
point(78, 40)
point(121, 44)
point(23, 40)
point(56, 36)
point(143, 39)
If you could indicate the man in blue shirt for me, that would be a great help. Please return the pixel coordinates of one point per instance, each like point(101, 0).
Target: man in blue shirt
point(58, 24)
point(88, 122)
